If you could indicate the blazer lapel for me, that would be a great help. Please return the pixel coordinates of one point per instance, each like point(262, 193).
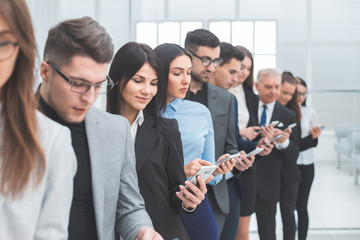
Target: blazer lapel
point(96, 136)
point(276, 116)
point(211, 100)
point(146, 137)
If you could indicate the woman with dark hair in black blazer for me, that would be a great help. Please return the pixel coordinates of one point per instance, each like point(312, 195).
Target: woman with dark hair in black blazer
point(289, 190)
point(310, 131)
point(139, 96)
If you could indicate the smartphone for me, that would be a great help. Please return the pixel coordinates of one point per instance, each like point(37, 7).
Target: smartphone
point(275, 138)
point(204, 172)
point(228, 158)
point(273, 123)
point(254, 152)
point(290, 126)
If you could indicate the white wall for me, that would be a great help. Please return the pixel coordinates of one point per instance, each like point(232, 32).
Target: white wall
point(318, 40)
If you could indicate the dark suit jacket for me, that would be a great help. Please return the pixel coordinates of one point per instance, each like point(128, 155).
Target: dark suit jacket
point(252, 100)
point(221, 106)
point(160, 169)
point(279, 164)
point(307, 142)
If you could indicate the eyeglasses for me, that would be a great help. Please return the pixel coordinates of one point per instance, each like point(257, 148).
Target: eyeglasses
point(7, 49)
point(78, 86)
point(302, 94)
point(206, 61)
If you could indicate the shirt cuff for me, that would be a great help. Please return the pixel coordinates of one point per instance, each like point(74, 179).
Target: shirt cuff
point(282, 145)
point(188, 210)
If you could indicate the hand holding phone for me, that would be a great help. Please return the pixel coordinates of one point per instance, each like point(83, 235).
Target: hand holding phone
point(227, 159)
point(204, 172)
point(291, 126)
point(254, 152)
point(275, 138)
point(273, 123)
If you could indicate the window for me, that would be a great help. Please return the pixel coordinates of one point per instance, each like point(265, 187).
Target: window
point(156, 33)
point(257, 36)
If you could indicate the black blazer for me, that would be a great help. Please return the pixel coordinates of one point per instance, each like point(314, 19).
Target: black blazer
point(308, 142)
point(279, 164)
point(160, 169)
point(252, 102)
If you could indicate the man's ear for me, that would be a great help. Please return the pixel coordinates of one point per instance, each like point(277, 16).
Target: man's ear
point(45, 71)
point(256, 86)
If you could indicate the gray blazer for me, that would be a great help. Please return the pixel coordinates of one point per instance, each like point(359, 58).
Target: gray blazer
point(221, 105)
point(42, 212)
point(116, 196)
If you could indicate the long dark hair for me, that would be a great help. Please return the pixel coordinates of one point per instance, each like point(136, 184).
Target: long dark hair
point(167, 52)
point(292, 104)
point(303, 83)
point(22, 156)
point(249, 81)
point(127, 62)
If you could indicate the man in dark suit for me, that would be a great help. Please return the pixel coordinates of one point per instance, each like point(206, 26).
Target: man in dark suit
point(204, 46)
point(279, 166)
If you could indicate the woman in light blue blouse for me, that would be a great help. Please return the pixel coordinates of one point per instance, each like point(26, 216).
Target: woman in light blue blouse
point(197, 135)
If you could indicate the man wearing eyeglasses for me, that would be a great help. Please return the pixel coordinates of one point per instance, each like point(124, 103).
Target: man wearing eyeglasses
point(205, 49)
point(106, 194)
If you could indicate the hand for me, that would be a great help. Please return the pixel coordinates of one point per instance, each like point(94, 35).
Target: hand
point(285, 134)
point(266, 145)
point(191, 199)
point(315, 132)
point(268, 131)
point(147, 233)
point(242, 163)
point(250, 133)
point(225, 167)
point(192, 167)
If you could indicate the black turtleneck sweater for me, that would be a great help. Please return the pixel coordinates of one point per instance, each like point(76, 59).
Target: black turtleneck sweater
point(82, 225)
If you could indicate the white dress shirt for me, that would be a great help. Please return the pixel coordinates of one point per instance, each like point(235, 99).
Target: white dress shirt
point(308, 120)
point(269, 112)
point(138, 122)
point(243, 112)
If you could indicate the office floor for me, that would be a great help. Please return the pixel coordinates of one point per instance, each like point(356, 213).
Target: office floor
point(334, 205)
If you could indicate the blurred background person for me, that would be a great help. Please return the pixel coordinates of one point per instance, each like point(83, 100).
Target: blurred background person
point(289, 189)
point(310, 132)
point(37, 161)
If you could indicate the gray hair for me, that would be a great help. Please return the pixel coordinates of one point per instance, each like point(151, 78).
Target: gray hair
point(266, 72)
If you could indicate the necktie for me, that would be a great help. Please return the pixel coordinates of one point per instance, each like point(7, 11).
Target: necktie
point(263, 116)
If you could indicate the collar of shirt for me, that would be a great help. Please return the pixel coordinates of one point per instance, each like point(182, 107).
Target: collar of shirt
point(139, 118)
point(236, 90)
point(138, 122)
point(175, 104)
point(269, 110)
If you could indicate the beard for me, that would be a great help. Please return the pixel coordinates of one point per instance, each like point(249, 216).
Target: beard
point(198, 79)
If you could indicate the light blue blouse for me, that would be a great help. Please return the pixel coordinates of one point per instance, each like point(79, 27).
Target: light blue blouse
point(196, 128)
